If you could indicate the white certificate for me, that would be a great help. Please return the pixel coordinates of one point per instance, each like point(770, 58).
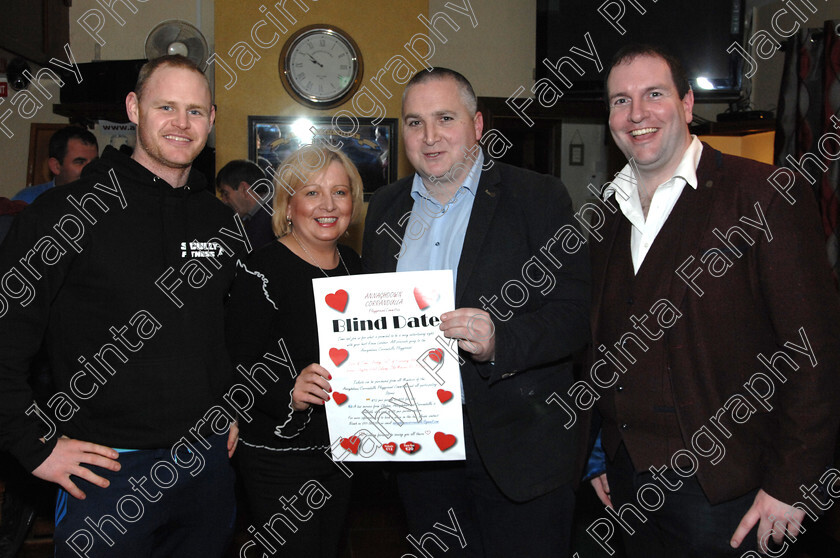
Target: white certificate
point(395, 377)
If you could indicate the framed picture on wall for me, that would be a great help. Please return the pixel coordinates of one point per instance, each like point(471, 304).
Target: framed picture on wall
point(372, 147)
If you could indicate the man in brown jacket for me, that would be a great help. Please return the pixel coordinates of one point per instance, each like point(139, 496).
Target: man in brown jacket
point(715, 327)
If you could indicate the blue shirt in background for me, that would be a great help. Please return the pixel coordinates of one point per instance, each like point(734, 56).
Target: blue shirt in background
point(29, 194)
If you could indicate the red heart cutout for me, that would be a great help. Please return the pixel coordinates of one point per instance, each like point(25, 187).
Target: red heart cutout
point(339, 398)
point(351, 444)
point(420, 299)
point(444, 395)
point(436, 355)
point(390, 447)
point(338, 356)
point(337, 300)
point(425, 297)
point(444, 441)
point(410, 447)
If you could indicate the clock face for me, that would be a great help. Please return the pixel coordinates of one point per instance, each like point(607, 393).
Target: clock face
point(321, 66)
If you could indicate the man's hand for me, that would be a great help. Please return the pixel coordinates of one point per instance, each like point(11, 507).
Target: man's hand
point(474, 330)
point(311, 387)
point(602, 489)
point(67, 458)
point(762, 508)
point(233, 438)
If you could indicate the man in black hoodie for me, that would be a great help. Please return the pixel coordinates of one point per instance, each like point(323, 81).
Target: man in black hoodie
point(123, 276)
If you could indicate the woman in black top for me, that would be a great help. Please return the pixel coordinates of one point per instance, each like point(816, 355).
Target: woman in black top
point(297, 496)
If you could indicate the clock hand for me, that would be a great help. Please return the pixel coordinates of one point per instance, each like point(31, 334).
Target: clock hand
point(315, 61)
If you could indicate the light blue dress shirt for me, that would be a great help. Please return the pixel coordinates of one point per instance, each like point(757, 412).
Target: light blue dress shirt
point(434, 236)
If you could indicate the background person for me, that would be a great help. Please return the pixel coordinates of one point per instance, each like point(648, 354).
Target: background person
point(283, 446)
point(70, 149)
point(238, 184)
point(676, 200)
point(513, 496)
point(96, 299)
point(21, 493)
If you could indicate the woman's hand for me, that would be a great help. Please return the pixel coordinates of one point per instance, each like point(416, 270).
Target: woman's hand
point(311, 387)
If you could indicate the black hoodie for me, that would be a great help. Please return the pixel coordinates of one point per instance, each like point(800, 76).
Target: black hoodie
point(123, 278)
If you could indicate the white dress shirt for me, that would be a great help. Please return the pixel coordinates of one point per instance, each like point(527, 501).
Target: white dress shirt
point(626, 188)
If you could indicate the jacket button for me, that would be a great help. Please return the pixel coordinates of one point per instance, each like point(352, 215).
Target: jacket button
point(619, 388)
point(629, 300)
point(625, 426)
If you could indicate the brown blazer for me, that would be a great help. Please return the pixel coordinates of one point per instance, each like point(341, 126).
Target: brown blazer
point(778, 286)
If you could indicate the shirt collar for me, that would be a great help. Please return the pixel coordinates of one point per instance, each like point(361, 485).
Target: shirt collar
point(687, 169)
point(470, 184)
point(625, 183)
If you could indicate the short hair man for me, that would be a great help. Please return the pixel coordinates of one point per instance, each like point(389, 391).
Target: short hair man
point(124, 279)
point(70, 149)
point(243, 186)
point(492, 225)
point(710, 292)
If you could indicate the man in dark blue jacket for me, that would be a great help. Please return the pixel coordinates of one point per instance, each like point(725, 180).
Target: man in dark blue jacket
point(521, 302)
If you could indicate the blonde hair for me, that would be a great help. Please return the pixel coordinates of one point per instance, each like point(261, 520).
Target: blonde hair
point(296, 171)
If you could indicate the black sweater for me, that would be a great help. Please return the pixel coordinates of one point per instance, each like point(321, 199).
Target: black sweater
point(272, 300)
point(129, 306)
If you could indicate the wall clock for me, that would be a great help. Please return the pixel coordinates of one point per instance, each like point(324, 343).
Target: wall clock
point(321, 66)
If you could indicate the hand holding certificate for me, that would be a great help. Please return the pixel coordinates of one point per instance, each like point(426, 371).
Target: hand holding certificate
point(395, 377)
